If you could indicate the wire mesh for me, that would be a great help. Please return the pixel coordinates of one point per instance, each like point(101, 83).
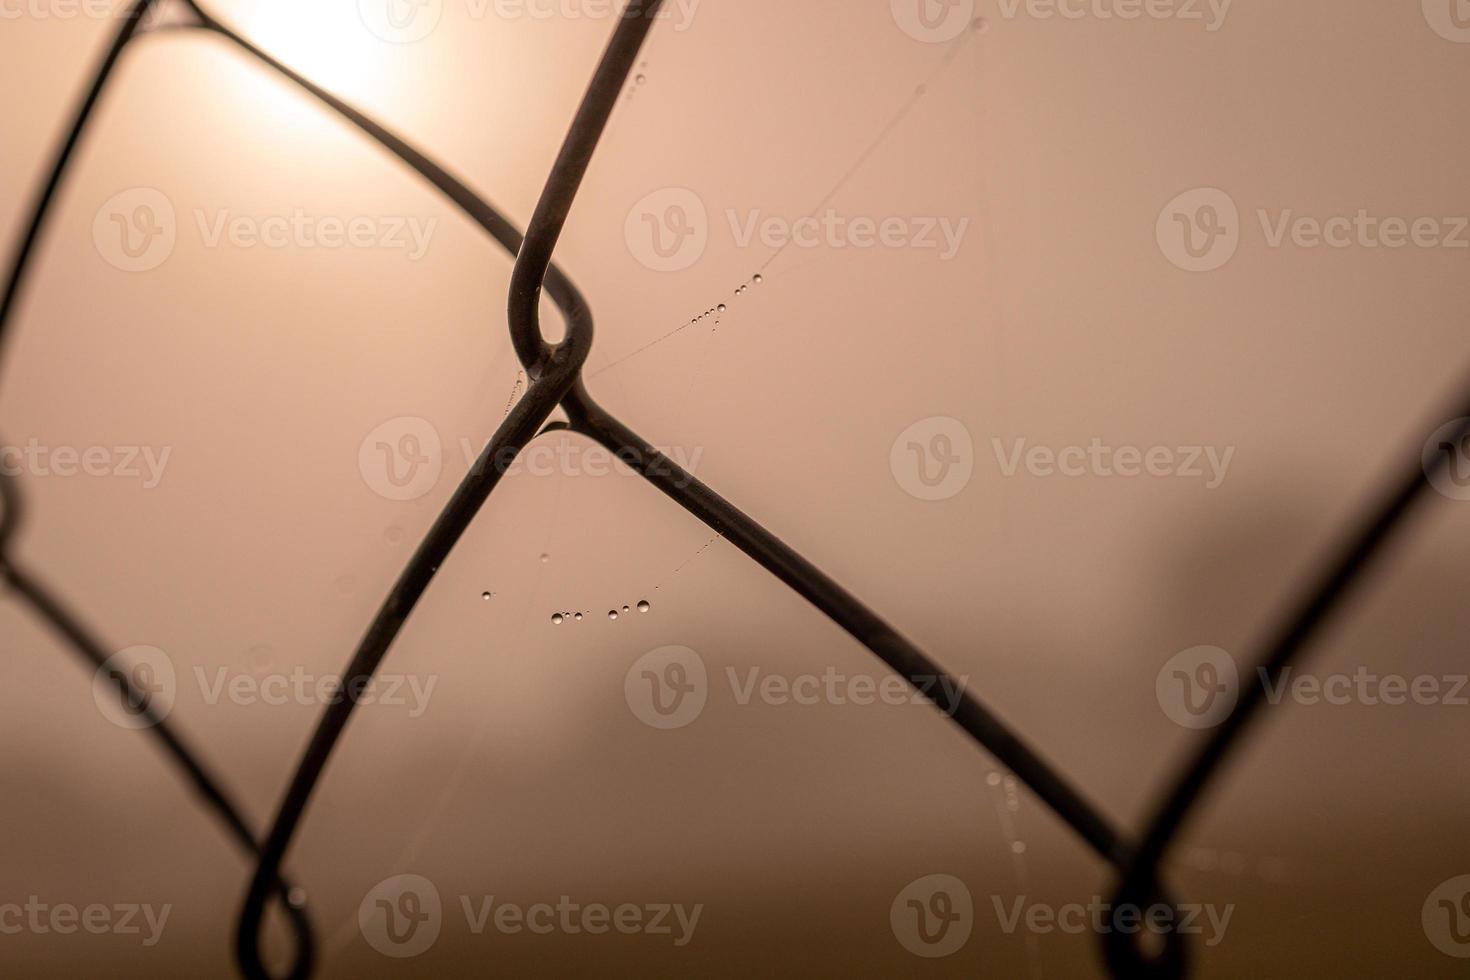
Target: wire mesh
point(555, 381)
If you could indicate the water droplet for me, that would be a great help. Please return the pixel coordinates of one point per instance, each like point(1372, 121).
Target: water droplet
point(578, 617)
point(487, 596)
point(993, 779)
point(1019, 846)
point(722, 307)
point(643, 605)
point(545, 559)
point(758, 279)
point(625, 609)
point(641, 79)
point(296, 897)
point(557, 619)
point(612, 614)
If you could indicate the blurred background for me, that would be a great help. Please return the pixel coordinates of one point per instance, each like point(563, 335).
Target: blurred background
point(288, 349)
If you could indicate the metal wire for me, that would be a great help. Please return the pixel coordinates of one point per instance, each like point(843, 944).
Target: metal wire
point(555, 380)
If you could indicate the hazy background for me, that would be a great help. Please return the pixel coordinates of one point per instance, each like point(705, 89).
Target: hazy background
point(265, 547)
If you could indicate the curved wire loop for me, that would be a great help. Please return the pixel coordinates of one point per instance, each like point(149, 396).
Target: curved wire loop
point(555, 371)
